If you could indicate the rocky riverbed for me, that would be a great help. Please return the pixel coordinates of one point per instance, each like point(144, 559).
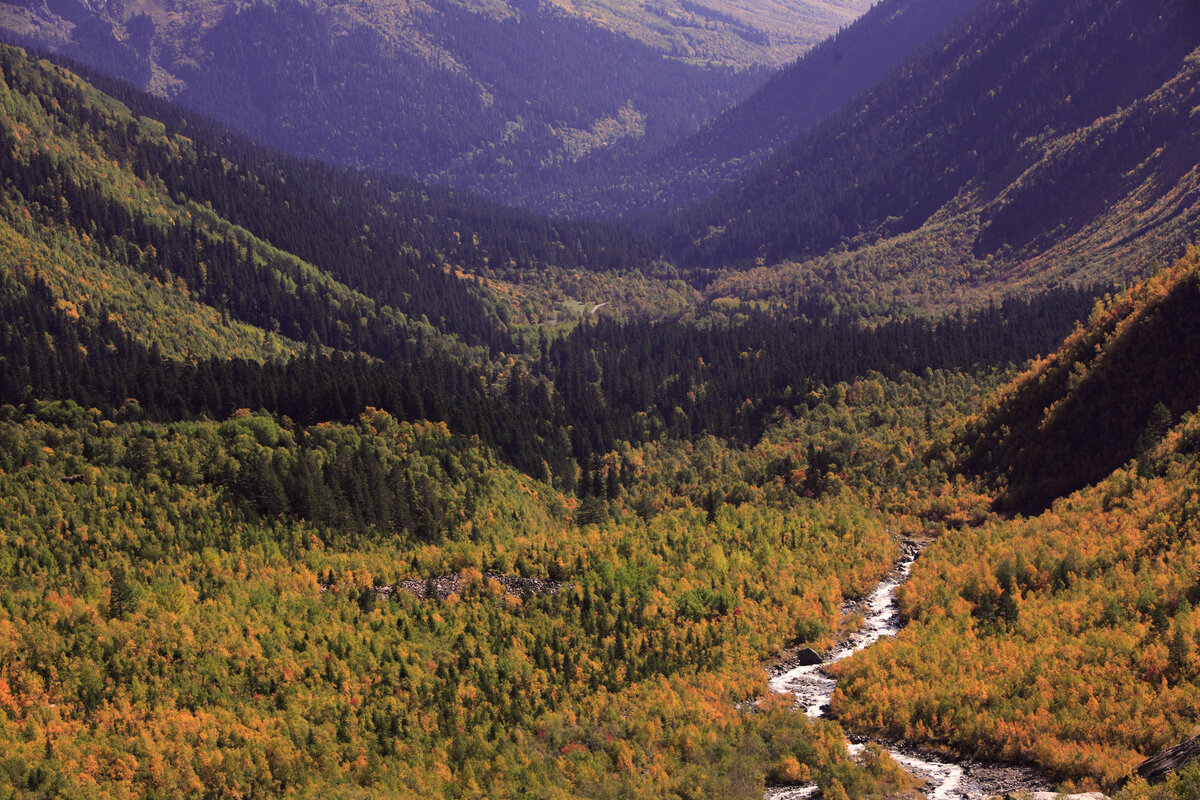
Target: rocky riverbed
point(946, 778)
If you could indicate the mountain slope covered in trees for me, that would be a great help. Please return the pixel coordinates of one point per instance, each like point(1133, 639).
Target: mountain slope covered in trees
point(230, 583)
point(249, 404)
point(491, 96)
point(1069, 637)
point(1034, 142)
point(152, 253)
point(793, 100)
point(197, 284)
point(1107, 396)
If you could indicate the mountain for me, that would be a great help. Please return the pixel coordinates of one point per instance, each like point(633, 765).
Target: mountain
point(320, 483)
point(1034, 142)
point(490, 97)
point(793, 100)
point(169, 273)
point(762, 32)
point(177, 264)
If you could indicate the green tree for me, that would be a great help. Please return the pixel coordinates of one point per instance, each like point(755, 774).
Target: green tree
point(122, 593)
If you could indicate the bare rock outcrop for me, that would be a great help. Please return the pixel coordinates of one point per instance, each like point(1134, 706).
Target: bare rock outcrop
point(1172, 759)
point(443, 586)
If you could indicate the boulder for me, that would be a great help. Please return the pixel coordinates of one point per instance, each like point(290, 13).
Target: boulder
point(807, 657)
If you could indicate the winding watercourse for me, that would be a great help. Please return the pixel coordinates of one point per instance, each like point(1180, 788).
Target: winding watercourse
point(946, 779)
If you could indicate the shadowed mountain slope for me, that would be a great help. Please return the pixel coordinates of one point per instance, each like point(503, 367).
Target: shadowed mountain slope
point(1036, 141)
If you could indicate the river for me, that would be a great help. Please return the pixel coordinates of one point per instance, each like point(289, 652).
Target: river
point(812, 688)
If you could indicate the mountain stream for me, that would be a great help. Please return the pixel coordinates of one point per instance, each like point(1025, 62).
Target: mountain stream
point(812, 688)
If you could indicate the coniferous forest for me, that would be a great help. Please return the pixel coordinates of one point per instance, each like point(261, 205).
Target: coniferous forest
point(320, 481)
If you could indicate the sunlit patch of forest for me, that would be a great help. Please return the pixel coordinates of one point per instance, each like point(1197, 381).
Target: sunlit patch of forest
point(194, 607)
point(1068, 637)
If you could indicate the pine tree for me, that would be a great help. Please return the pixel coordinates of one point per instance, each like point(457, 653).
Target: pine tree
point(122, 593)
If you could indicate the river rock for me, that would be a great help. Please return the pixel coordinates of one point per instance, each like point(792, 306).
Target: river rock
point(1049, 796)
point(807, 657)
point(1170, 760)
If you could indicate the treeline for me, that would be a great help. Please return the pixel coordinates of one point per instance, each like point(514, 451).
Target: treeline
point(45, 355)
point(1056, 199)
point(605, 383)
point(550, 410)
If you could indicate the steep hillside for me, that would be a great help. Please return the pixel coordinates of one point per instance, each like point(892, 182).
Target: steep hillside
point(757, 32)
point(742, 34)
point(1068, 638)
point(394, 240)
point(1106, 397)
point(492, 97)
point(139, 263)
point(1036, 141)
point(202, 275)
point(794, 100)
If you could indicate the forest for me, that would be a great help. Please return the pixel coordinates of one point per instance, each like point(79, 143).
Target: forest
point(1066, 638)
point(791, 101)
point(205, 522)
point(219, 588)
point(380, 322)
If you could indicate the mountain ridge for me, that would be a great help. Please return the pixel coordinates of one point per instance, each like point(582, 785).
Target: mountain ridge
point(793, 99)
point(952, 169)
point(482, 96)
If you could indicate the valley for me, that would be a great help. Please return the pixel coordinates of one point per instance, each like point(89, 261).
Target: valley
point(485, 96)
point(321, 479)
